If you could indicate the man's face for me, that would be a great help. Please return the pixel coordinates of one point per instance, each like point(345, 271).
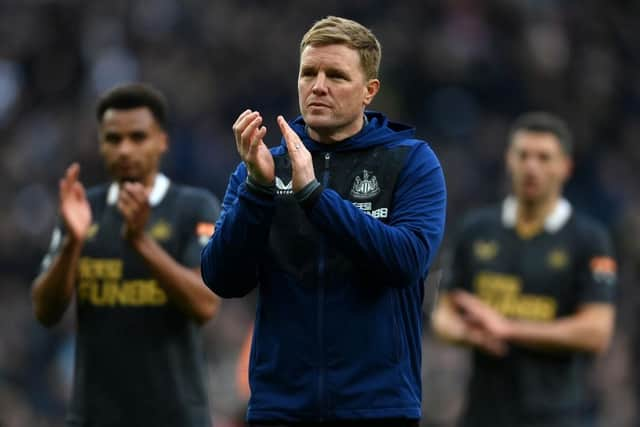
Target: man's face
point(538, 165)
point(132, 144)
point(333, 90)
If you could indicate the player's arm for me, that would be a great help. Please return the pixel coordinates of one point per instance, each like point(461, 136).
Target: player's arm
point(589, 329)
point(450, 325)
point(52, 290)
point(447, 323)
point(183, 285)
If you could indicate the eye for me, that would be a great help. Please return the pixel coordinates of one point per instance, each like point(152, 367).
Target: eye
point(111, 138)
point(307, 72)
point(138, 136)
point(336, 75)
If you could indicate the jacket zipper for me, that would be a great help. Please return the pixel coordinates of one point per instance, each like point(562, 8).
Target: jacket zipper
point(321, 273)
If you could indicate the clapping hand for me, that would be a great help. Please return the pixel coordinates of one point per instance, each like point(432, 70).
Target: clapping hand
point(74, 206)
point(249, 134)
point(133, 204)
point(302, 172)
point(487, 329)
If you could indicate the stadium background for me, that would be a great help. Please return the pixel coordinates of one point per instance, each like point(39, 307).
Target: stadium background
point(459, 70)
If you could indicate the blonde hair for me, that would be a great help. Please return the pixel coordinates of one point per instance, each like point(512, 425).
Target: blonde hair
point(336, 30)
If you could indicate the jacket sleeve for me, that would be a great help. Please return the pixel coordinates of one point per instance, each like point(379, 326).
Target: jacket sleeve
point(229, 261)
point(402, 250)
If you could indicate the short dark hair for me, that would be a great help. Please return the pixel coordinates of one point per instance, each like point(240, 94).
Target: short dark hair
point(134, 95)
point(539, 121)
point(337, 30)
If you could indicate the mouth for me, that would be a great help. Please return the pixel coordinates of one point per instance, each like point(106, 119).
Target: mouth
point(317, 105)
point(124, 169)
point(124, 166)
point(531, 187)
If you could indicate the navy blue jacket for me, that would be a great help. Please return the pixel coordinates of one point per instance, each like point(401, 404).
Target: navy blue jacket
point(339, 320)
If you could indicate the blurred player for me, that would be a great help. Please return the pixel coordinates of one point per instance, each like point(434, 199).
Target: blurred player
point(336, 228)
point(531, 286)
point(129, 252)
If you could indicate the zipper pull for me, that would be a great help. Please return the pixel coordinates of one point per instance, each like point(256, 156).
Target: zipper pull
point(327, 157)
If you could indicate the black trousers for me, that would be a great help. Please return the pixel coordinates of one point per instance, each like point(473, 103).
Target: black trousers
point(385, 422)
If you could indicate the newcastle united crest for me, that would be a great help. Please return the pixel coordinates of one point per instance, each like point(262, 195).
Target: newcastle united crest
point(365, 187)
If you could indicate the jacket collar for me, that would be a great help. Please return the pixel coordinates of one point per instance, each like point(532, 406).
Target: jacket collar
point(377, 130)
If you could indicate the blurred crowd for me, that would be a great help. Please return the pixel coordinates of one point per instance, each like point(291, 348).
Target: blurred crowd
point(459, 70)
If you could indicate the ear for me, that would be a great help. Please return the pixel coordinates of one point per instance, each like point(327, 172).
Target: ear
point(101, 144)
point(509, 158)
point(164, 142)
point(371, 89)
point(567, 168)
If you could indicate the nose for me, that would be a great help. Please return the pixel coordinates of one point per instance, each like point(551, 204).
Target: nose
point(533, 163)
point(125, 147)
point(531, 169)
point(319, 84)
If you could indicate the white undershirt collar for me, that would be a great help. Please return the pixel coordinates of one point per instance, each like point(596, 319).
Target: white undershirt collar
point(552, 224)
point(160, 187)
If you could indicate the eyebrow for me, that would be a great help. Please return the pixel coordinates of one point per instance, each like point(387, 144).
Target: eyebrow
point(110, 132)
point(330, 69)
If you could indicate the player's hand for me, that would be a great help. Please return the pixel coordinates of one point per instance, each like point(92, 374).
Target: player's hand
point(302, 172)
point(481, 315)
point(485, 341)
point(133, 204)
point(253, 151)
point(74, 206)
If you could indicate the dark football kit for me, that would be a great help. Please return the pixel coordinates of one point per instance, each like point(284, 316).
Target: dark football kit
point(139, 360)
point(538, 279)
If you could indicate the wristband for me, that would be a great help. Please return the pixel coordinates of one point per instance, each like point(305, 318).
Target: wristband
point(308, 196)
point(260, 189)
